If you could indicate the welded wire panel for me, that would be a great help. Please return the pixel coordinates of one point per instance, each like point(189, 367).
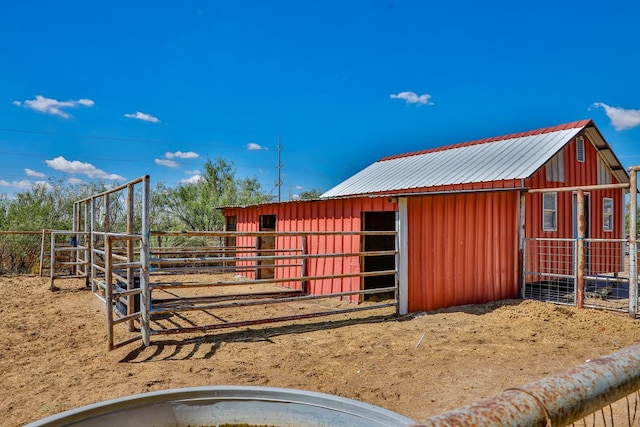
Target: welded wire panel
point(624, 412)
point(607, 284)
point(551, 275)
point(550, 270)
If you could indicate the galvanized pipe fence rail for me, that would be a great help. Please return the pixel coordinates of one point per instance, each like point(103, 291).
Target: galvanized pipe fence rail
point(559, 400)
point(68, 255)
point(207, 279)
point(118, 286)
point(212, 279)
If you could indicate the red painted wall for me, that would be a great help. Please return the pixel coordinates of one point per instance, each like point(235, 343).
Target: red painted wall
point(605, 257)
point(318, 215)
point(467, 252)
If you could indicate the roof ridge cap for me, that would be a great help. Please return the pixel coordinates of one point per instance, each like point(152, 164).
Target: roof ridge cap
point(565, 126)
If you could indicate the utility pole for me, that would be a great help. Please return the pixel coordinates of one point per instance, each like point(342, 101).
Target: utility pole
point(279, 166)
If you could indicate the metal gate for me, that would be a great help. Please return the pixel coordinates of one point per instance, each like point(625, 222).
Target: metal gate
point(551, 272)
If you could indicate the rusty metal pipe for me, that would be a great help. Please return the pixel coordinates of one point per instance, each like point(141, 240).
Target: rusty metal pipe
point(633, 243)
point(556, 400)
point(580, 250)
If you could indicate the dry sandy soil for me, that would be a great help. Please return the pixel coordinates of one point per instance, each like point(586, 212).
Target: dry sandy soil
point(53, 354)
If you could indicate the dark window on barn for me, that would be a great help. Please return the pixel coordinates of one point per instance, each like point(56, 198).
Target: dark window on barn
point(580, 148)
point(549, 211)
point(267, 223)
point(231, 223)
point(607, 214)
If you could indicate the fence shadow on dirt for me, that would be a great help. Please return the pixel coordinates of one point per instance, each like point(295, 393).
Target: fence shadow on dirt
point(189, 348)
point(475, 309)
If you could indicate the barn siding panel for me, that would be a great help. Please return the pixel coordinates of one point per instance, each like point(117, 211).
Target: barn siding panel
point(467, 249)
point(319, 215)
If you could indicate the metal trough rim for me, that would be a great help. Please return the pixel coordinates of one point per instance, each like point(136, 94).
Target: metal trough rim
point(213, 394)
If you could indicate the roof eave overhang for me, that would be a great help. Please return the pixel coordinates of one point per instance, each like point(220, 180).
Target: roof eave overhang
point(606, 153)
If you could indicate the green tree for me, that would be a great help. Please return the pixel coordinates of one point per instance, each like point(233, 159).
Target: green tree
point(312, 194)
point(4, 208)
point(196, 205)
point(44, 206)
point(627, 217)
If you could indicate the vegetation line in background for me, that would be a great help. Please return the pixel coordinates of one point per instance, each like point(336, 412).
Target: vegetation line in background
point(188, 207)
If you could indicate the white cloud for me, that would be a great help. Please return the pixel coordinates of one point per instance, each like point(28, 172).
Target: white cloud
point(24, 184)
point(413, 98)
point(76, 181)
point(182, 155)
point(252, 146)
point(77, 167)
point(621, 119)
point(142, 116)
point(168, 156)
point(53, 106)
point(31, 172)
point(191, 180)
point(167, 163)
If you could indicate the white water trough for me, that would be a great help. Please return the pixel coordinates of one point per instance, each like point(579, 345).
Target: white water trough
point(227, 405)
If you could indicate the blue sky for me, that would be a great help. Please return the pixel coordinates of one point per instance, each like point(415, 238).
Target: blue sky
point(115, 90)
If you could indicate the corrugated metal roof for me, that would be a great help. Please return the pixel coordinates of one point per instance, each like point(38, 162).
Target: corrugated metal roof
point(514, 156)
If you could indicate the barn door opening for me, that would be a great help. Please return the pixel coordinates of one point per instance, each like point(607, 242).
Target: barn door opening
point(266, 247)
point(378, 221)
point(230, 242)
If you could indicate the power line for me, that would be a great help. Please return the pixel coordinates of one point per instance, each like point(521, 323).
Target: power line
point(315, 159)
point(108, 138)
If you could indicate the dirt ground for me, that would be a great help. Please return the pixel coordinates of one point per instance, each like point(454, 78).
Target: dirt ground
point(53, 353)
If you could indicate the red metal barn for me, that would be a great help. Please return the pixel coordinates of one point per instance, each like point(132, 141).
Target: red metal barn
point(460, 210)
point(343, 214)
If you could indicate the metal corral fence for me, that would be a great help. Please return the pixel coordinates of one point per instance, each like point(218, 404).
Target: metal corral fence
point(551, 272)
point(215, 286)
point(65, 255)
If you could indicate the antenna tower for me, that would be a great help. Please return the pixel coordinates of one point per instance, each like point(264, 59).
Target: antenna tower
point(279, 166)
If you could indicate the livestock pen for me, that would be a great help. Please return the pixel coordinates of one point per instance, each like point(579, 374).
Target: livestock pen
point(156, 289)
point(207, 282)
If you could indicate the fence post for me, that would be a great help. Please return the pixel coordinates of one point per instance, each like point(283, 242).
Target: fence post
point(108, 292)
point(633, 245)
point(145, 235)
point(521, 242)
point(580, 253)
point(52, 261)
point(402, 257)
point(131, 276)
point(303, 267)
point(43, 243)
point(93, 243)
